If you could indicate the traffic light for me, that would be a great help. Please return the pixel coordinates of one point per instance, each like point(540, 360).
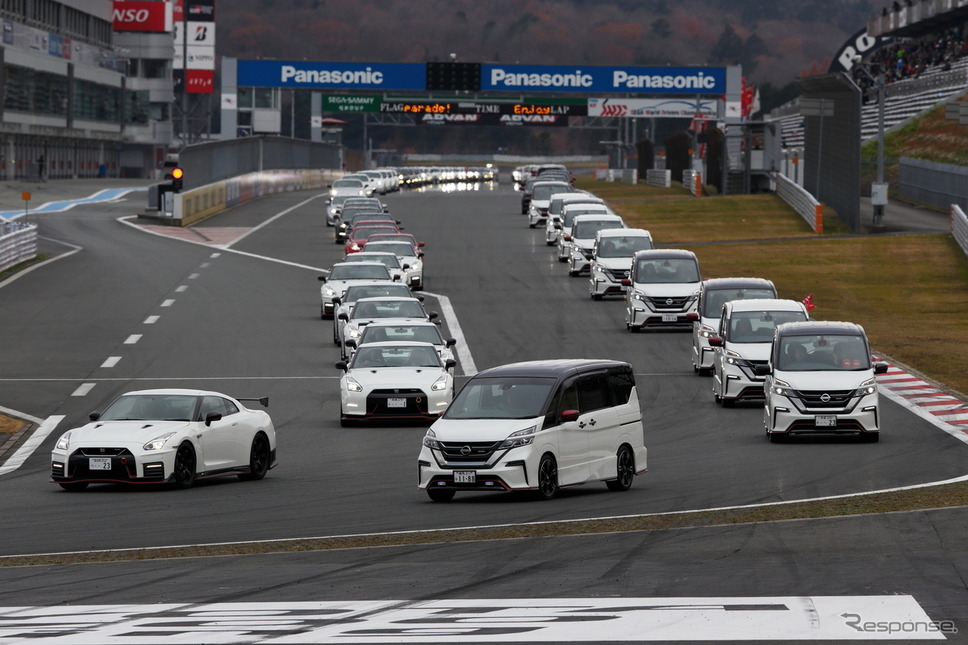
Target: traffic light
point(454, 76)
point(177, 174)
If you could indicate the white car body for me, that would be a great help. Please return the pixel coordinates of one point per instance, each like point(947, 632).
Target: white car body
point(581, 239)
point(171, 436)
point(663, 289)
point(340, 275)
point(524, 427)
point(568, 214)
point(420, 332)
point(713, 294)
point(743, 340)
point(395, 381)
point(389, 260)
point(821, 380)
point(411, 259)
point(541, 199)
point(556, 209)
point(611, 261)
point(368, 310)
point(364, 289)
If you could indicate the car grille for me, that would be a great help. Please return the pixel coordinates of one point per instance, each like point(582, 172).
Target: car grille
point(468, 451)
point(377, 403)
point(123, 464)
point(815, 398)
point(618, 274)
point(670, 303)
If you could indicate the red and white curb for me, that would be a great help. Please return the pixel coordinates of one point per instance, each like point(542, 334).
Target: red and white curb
point(926, 400)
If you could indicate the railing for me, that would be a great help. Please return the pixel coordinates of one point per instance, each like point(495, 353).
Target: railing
point(660, 178)
point(959, 227)
point(18, 243)
point(692, 181)
point(801, 201)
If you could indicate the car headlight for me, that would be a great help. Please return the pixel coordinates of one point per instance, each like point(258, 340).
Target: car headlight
point(353, 332)
point(706, 332)
point(440, 384)
point(64, 441)
point(352, 385)
point(329, 292)
point(733, 358)
point(781, 387)
point(430, 440)
point(158, 442)
point(638, 295)
point(416, 265)
point(354, 247)
point(867, 387)
point(520, 438)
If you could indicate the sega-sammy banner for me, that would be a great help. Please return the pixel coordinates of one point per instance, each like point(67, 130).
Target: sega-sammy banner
point(654, 108)
point(342, 76)
point(580, 78)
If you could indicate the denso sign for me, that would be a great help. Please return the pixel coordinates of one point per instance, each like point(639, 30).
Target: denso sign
point(141, 15)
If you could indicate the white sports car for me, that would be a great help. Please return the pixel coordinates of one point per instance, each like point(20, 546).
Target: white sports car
point(398, 381)
point(171, 436)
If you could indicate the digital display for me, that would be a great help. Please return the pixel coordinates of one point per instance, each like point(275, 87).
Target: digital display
point(427, 108)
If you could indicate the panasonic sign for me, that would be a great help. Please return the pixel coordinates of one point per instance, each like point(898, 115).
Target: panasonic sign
point(655, 80)
point(309, 75)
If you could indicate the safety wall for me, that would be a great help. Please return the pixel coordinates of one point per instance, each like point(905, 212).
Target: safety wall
point(959, 227)
point(193, 205)
point(931, 184)
point(18, 243)
point(801, 201)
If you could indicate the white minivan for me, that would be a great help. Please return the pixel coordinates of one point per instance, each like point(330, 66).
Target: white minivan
point(821, 380)
point(663, 289)
point(537, 426)
point(714, 293)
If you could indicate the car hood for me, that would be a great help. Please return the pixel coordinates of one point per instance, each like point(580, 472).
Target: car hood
point(616, 263)
point(824, 380)
point(667, 289)
point(457, 430)
point(123, 433)
point(395, 376)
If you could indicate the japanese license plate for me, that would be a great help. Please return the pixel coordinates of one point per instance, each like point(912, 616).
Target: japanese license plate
point(465, 476)
point(99, 463)
point(396, 403)
point(670, 317)
point(825, 421)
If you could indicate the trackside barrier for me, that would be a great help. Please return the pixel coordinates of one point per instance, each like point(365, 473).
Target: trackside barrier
point(628, 175)
point(692, 181)
point(196, 204)
point(801, 201)
point(18, 243)
point(959, 227)
point(659, 178)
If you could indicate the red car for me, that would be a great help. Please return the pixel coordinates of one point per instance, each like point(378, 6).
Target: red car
point(356, 238)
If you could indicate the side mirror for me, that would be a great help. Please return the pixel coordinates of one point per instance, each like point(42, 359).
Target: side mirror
point(570, 415)
point(763, 369)
point(715, 341)
point(450, 364)
point(337, 300)
point(94, 416)
point(212, 416)
point(420, 245)
point(350, 342)
point(406, 267)
point(626, 282)
point(343, 316)
point(450, 342)
point(341, 365)
point(420, 254)
point(322, 278)
point(692, 316)
point(880, 367)
point(433, 315)
point(329, 201)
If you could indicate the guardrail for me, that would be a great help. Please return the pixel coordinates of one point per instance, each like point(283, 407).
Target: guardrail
point(659, 178)
point(625, 175)
point(692, 181)
point(18, 243)
point(959, 227)
point(801, 201)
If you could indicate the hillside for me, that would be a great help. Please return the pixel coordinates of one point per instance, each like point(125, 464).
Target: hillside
point(774, 41)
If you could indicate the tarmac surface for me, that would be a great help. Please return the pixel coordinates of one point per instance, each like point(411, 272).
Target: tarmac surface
point(898, 217)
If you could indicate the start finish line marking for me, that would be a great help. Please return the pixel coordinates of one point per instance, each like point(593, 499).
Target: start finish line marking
point(469, 621)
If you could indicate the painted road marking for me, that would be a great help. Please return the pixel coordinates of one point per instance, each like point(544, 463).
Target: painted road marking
point(181, 288)
point(111, 361)
point(167, 303)
point(28, 447)
point(107, 195)
point(132, 339)
point(540, 620)
point(84, 389)
point(151, 320)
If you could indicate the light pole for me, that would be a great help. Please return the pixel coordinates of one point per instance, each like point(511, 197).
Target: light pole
point(879, 186)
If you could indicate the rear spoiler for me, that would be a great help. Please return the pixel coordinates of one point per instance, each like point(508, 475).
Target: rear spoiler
point(263, 400)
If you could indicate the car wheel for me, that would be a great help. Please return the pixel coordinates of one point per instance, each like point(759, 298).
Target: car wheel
point(549, 243)
point(561, 259)
point(596, 296)
point(259, 457)
point(74, 486)
point(547, 478)
point(728, 403)
point(184, 473)
point(870, 437)
point(441, 494)
point(776, 437)
point(345, 421)
point(322, 312)
point(530, 225)
point(624, 470)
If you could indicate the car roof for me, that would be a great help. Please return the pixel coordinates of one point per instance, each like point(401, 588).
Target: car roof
point(596, 217)
point(553, 368)
point(737, 283)
point(818, 327)
point(356, 264)
point(399, 343)
point(622, 232)
point(660, 254)
point(388, 299)
point(176, 390)
point(765, 304)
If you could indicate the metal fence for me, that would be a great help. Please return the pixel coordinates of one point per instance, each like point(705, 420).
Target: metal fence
point(959, 227)
point(801, 201)
point(931, 184)
point(18, 243)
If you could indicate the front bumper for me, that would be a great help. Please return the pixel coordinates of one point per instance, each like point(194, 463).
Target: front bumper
point(124, 467)
point(398, 404)
point(509, 471)
point(739, 381)
point(790, 416)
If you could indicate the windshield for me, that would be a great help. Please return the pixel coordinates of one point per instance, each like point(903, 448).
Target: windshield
point(571, 213)
point(391, 290)
point(386, 259)
point(347, 183)
point(758, 326)
point(389, 309)
point(823, 353)
point(542, 192)
point(501, 398)
point(151, 407)
point(666, 271)
point(587, 230)
point(714, 299)
point(402, 249)
point(369, 271)
point(419, 333)
point(402, 356)
point(623, 247)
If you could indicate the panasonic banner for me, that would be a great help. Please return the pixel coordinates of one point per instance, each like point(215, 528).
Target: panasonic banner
point(332, 76)
point(625, 80)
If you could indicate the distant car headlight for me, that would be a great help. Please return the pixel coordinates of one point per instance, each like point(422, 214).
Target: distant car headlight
point(353, 332)
point(416, 265)
point(329, 292)
point(430, 440)
point(64, 441)
point(352, 385)
point(158, 442)
point(520, 438)
point(354, 247)
point(440, 384)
